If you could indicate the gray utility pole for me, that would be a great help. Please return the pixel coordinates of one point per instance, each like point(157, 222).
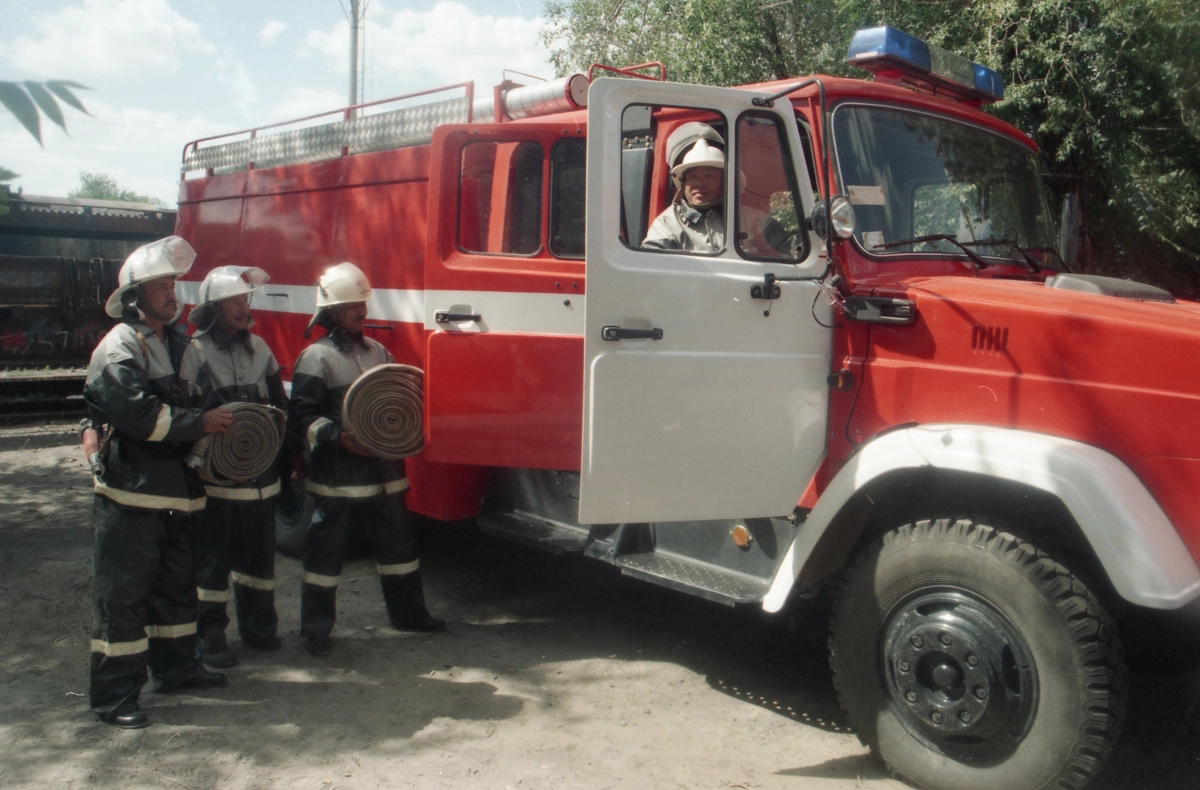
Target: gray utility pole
point(355, 28)
point(358, 9)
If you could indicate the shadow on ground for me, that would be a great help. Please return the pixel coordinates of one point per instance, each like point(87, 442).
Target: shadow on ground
point(528, 630)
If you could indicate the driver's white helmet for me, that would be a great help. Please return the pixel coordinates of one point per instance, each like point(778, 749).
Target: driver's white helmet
point(341, 284)
point(701, 155)
point(169, 257)
point(682, 139)
point(224, 282)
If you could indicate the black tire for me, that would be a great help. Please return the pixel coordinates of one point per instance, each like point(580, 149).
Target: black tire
point(293, 515)
point(968, 659)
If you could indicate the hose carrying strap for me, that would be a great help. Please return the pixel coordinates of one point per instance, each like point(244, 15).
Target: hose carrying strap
point(383, 408)
point(246, 451)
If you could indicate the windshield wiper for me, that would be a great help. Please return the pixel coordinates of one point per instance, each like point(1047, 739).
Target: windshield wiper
point(1033, 265)
point(974, 256)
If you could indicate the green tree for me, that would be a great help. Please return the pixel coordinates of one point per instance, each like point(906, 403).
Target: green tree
point(715, 42)
point(101, 186)
point(24, 100)
point(1107, 88)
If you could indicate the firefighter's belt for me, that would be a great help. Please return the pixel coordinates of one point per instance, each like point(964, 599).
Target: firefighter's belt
point(246, 451)
point(383, 408)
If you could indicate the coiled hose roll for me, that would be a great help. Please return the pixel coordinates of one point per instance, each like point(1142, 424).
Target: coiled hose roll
point(384, 409)
point(246, 451)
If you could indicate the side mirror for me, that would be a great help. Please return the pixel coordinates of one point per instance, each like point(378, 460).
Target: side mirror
point(836, 209)
point(1068, 231)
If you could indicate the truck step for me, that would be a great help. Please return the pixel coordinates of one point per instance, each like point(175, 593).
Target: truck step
point(697, 578)
point(533, 531)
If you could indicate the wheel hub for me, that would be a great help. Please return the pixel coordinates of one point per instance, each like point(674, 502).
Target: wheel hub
point(959, 674)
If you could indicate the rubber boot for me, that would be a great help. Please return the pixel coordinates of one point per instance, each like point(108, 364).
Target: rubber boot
point(190, 677)
point(405, 600)
point(257, 621)
point(214, 650)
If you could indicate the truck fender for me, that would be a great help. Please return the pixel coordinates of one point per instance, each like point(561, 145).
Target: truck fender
point(1140, 550)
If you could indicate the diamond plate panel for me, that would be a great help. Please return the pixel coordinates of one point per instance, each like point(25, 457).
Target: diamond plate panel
point(401, 128)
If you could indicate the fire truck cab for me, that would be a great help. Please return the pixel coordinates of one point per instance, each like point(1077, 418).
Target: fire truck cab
point(899, 395)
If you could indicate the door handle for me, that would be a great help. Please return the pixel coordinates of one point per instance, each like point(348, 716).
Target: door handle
point(442, 317)
point(617, 333)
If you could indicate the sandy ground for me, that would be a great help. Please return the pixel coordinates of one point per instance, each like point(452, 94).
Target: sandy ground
point(556, 673)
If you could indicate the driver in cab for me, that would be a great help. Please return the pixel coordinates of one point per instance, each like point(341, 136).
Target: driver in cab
point(695, 220)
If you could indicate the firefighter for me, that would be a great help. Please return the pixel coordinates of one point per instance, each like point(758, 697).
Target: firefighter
point(349, 484)
point(226, 363)
point(695, 220)
point(146, 504)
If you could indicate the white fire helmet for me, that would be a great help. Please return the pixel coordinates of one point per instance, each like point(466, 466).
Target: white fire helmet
point(224, 282)
point(701, 155)
point(684, 137)
point(341, 284)
point(169, 257)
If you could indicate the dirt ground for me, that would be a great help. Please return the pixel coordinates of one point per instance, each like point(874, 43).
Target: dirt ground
point(556, 673)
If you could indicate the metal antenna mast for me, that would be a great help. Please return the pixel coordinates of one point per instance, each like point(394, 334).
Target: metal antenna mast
point(354, 15)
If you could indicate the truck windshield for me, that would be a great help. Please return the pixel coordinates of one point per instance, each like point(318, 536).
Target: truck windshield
point(912, 175)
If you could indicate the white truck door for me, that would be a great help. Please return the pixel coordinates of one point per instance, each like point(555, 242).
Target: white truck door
point(708, 408)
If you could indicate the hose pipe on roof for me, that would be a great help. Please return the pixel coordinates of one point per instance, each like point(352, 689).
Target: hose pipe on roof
point(248, 450)
point(384, 409)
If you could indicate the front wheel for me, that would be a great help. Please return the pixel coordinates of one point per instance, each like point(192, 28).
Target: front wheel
point(967, 658)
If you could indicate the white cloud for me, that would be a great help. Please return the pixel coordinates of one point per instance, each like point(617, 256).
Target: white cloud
point(109, 37)
point(302, 102)
point(139, 148)
point(270, 32)
point(241, 87)
point(446, 44)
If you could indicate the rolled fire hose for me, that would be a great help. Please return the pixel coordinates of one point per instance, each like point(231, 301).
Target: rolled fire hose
point(247, 450)
point(383, 407)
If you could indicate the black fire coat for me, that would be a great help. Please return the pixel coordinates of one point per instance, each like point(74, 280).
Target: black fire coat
point(132, 387)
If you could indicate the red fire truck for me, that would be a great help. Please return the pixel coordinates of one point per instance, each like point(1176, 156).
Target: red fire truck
point(906, 399)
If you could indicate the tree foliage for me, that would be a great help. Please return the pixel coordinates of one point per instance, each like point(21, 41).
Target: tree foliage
point(24, 100)
point(101, 186)
point(714, 42)
point(1107, 88)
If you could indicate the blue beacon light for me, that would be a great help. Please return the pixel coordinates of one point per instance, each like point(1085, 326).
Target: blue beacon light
point(895, 56)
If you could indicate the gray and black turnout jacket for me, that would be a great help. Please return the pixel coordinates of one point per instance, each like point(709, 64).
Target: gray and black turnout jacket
point(133, 389)
point(224, 367)
point(324, 372)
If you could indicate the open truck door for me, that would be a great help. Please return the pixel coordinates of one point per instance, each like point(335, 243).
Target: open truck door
point(701, 401)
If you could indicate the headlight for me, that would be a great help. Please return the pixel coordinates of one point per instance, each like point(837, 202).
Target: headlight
point(839, 211)
point(842, 215)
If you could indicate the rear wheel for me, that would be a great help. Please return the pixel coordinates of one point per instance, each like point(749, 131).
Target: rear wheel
point(967, 658)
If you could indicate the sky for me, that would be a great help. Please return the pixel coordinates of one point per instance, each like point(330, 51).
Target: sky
point(164, 72)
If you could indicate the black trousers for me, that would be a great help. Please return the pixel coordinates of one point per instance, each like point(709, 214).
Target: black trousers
point(143, 601)
point(237, 536)
point(392, 538)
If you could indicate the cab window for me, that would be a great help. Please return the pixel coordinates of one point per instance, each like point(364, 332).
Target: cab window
point(681, 207)
point(768, 222)
point(500, 198)
point(568, 197)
